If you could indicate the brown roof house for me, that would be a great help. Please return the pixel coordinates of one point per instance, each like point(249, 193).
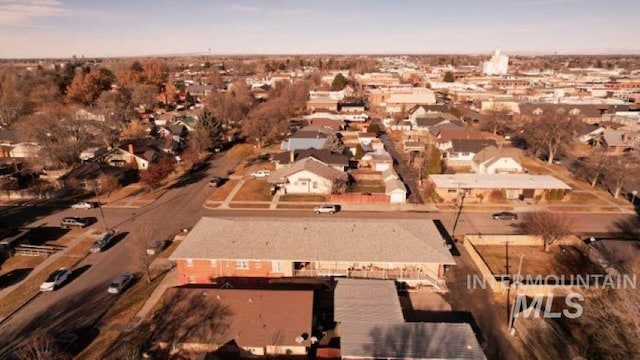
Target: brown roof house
point(261, 322)
point(496, 160)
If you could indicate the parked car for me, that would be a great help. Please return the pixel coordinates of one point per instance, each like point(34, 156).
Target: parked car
point(84, 205)
point(505, 215)
point(326, 209)
point(156, 247)
point(102, 241)
point(120, 283)
point(56, 279)
point(260, 174)
point(216, 181)
point(73, 221)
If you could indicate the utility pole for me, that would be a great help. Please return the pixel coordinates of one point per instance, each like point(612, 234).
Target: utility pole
point(104, 221)
point(513, 308)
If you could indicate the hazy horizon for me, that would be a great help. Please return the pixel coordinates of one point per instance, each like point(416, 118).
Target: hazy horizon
point(63, 28)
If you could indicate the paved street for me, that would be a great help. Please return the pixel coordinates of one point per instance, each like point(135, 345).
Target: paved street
point(83, 300)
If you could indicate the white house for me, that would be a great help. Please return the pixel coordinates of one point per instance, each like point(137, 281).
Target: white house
point(307, 176)
point(492, 160)
point(461, 152)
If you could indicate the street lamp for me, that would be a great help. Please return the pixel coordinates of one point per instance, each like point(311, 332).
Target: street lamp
point(104, 221)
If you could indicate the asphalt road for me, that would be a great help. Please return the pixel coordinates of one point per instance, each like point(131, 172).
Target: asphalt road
point(82, 301)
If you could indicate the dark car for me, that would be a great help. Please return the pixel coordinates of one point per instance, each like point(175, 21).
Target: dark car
point(505, 215)
point(73, 221)
point(216, 181)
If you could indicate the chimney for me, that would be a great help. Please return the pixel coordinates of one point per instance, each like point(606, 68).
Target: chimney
point(292, 156)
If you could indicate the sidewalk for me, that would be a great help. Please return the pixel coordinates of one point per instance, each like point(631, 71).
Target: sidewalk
point(43, 265)
point(168, 281)
point(227, 200)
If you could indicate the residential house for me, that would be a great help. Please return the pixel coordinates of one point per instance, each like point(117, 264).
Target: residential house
point(587, 112)
point(620, 141)
point(589, 133)
point(462, 152)
point(307, 176)
point(496, 160)
point(220, 250)
point(137, 154)
point(92, 152)
point(25, 150)
point(447, 133)
point(425, 123)
point(379, 160)
point(260, 322)
point(394, 187)
point(379, 330)
point(476, 187)
point(335, 125)
point(199, 91)
point(87, 174)
point(419, 111)
point(352, 107)
point(335, 160)
point(322, 103)
point(86, 115)
point(303, 140)
point(401, 100)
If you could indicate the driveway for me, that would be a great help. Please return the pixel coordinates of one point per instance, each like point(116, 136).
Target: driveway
point(407, 174)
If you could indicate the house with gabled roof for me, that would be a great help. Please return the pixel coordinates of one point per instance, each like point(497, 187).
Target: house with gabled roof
point(496, 160)
point(307, 176)
point(462, 151)
point(335, 160)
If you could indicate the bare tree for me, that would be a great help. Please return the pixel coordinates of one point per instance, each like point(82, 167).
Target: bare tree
point(618, 170)
point(156, 173)
point(12, 102)
point(142, 238)
point(40, 346)
point(550, 226)
point(496, 121)
point(547, 133)
point(145, 95)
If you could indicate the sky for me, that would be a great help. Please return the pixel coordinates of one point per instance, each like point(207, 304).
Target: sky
point(106, 28)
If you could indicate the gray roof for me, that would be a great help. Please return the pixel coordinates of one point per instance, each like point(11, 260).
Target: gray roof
point(394, 184)
point(430, 121)
point(310, 164)
point(380, 297)
point(619, 137)
point(473, 146)
point(491, 154)
point(315, 239)
point(305, 140)
point(324, 155)
point(371, 325)
point(431, 108)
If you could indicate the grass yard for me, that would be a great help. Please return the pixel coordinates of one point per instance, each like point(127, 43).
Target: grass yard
point(248, 206)
point(254, 190)
point(560, 260)
point(304, 197)
point(221, 193)
point(296, 206)
point(370, 186)
point(584, 198)
point(30, 287)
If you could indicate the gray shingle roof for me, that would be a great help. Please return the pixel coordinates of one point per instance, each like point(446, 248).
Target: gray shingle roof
point(307, 164)
point(470, 146)
point(491, 154)
point(297, 239)
point(371, 325)
point(324, 155)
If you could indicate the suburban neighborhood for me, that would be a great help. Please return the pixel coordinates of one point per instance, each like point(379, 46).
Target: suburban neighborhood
point(252, 203)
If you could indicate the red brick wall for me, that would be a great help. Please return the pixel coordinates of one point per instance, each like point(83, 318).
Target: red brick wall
point(202, 271)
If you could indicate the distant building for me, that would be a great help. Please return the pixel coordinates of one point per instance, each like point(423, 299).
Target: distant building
point(497, 65)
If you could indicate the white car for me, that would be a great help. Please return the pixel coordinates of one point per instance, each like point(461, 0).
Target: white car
point(260, 174)
point(56, 279)
point(326, 209)
point(83, 205)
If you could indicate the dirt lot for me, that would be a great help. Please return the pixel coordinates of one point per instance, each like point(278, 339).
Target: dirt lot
point(560, 260)
point(254, 190)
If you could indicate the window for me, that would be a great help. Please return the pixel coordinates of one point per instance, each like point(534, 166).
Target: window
point(242, 264)
point(257, 264)
point(189, 262)
point(213, 263)
point(275, 266)
point(315, 184)
point(451, 190)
